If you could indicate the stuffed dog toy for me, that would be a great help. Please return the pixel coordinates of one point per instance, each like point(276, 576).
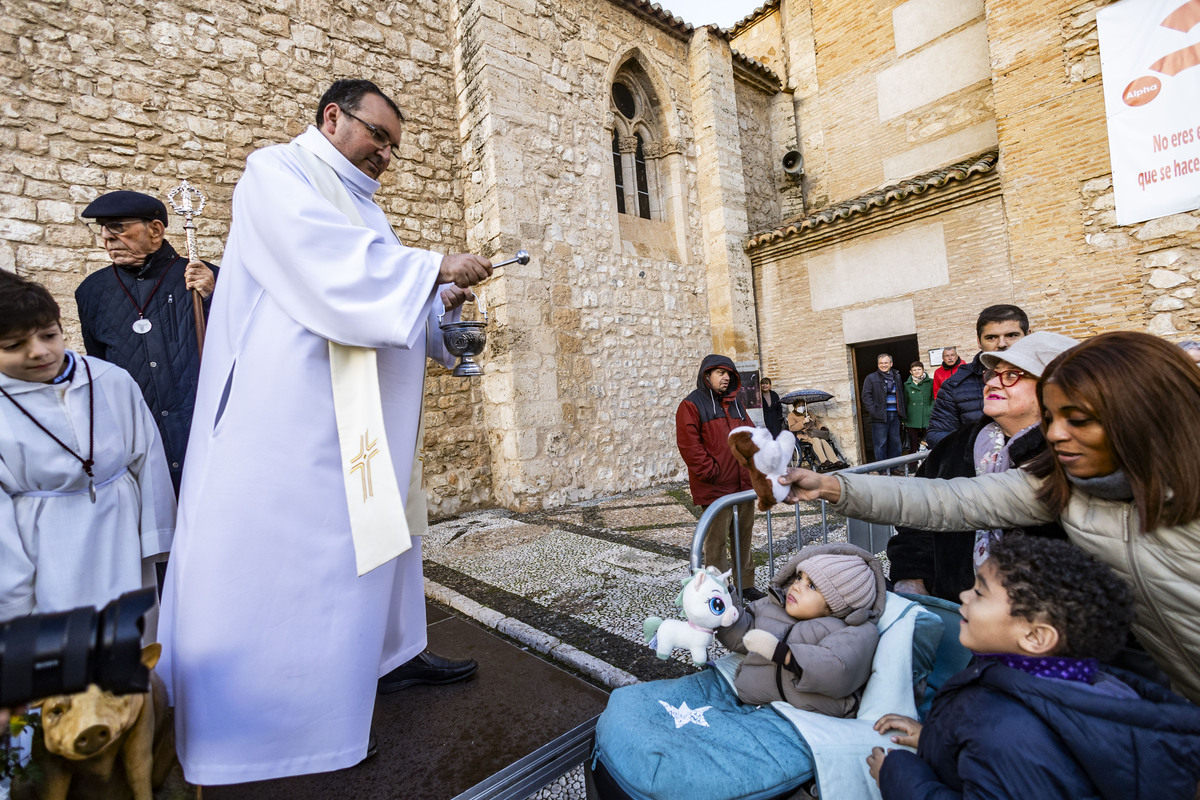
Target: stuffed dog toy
point(767, 460)
point(99, 746)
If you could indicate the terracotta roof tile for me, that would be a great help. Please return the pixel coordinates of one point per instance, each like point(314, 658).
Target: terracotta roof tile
point(878, 198)
point(760, 68)
point(753, 16)
point(660, 15)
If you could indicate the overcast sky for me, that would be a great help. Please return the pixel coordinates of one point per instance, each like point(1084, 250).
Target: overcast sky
point(725, 13)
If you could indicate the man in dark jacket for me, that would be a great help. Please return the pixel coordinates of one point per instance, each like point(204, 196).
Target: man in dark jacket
point(138, 313)
point(959, 399)
point(883, 398)
point(702, 425)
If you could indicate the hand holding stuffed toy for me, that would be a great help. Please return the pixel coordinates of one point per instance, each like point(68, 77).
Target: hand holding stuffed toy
point(767, 460)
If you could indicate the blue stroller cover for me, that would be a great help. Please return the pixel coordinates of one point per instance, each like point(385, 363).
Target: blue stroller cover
point(692, 735)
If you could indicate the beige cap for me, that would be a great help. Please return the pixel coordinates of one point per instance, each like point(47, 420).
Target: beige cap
point(846, 582)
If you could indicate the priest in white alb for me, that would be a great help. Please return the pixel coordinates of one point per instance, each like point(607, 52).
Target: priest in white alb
point(294, 584)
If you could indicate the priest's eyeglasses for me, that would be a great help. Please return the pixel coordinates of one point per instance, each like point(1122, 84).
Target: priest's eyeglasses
point(116, 228)
point(380, 138)
point(1008, 377)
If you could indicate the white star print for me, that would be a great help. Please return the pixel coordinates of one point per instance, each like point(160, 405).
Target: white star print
point(683, 715)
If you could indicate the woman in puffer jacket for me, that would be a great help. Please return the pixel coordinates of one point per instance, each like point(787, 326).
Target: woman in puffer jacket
point(1122, 417)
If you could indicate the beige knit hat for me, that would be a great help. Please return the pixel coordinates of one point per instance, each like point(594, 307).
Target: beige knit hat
point(846, 582)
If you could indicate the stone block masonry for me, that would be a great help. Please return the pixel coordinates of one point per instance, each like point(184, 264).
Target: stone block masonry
point(98, 96)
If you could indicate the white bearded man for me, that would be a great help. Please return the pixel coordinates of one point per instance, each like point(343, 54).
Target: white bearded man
point(289, 595)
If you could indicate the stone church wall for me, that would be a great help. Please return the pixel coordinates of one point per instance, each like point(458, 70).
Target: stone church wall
point(929, 276)
point(597, 338)
point(98, 96)
point(760, 155)
point(1074, 268)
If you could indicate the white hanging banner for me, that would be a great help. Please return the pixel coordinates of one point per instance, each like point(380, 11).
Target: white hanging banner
point(1150, 60)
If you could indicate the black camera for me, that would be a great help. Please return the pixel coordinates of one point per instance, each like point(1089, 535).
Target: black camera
point(48, 654)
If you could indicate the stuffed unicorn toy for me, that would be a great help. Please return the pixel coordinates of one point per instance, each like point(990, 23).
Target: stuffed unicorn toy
point(766, 459)
point(707, 605)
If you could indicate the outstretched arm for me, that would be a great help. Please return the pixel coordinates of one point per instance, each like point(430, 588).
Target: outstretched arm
point(1004, 500)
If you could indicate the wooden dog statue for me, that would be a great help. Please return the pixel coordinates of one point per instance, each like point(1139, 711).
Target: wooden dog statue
point(99, 746)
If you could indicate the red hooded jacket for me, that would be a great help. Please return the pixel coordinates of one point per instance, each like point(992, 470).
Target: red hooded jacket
point(702, 425)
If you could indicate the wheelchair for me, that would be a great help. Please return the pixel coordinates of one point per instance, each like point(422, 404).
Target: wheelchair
point(803, 455)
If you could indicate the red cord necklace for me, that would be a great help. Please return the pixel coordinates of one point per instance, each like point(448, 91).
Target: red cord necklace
point(89, 462)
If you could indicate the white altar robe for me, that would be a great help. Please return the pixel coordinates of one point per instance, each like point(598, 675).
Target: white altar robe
point(58, 549)
point(273, 644)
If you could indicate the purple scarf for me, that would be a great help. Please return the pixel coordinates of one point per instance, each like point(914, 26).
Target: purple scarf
point(1082, 670)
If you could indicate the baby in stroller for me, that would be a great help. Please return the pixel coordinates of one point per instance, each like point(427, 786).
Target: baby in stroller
point(810, 641)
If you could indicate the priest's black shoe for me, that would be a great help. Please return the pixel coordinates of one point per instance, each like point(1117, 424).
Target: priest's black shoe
point(427, 668)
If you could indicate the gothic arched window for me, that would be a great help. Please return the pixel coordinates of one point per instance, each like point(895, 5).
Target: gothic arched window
point(637, 147)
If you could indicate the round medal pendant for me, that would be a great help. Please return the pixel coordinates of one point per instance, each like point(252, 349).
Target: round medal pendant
point(142, 325)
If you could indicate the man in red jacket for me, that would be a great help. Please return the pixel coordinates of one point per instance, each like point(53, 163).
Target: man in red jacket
point(702, 425)
point(950, 364)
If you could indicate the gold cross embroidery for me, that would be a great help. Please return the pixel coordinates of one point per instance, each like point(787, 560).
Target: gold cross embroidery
point(362, 463)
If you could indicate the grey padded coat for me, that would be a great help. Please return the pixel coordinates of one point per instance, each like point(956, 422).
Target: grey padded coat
point(831, 657)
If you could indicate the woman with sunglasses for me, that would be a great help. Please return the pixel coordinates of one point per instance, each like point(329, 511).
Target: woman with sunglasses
point(1122, 476)
point(1006, 437)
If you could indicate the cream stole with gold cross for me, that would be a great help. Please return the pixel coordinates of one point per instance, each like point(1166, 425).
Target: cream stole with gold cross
point(377, 519)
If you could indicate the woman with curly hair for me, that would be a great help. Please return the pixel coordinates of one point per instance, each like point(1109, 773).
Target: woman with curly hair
point(1121, 414)
point(1034, 714)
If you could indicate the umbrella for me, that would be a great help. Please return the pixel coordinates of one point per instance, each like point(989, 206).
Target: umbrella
point(805, 396)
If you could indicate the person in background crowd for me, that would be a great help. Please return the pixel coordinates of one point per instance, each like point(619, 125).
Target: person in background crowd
point(950, 365)
point(918, 398)
point(959, 400)
point(884, 400)
point(138, 313)
point(702, 425)
point(771, 407)
point(807, 429)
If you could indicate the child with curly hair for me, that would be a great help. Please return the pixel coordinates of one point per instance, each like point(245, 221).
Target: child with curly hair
point(1034, 714)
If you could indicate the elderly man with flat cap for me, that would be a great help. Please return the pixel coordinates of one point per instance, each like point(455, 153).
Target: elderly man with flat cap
point(138, 313)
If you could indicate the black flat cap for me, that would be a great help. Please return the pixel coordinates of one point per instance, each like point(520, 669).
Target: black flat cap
point(116, 205)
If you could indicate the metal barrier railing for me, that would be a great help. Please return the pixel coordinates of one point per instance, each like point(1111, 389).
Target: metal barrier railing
point(734, 500)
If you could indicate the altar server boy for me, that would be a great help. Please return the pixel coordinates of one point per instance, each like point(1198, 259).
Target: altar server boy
point(87, 505)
